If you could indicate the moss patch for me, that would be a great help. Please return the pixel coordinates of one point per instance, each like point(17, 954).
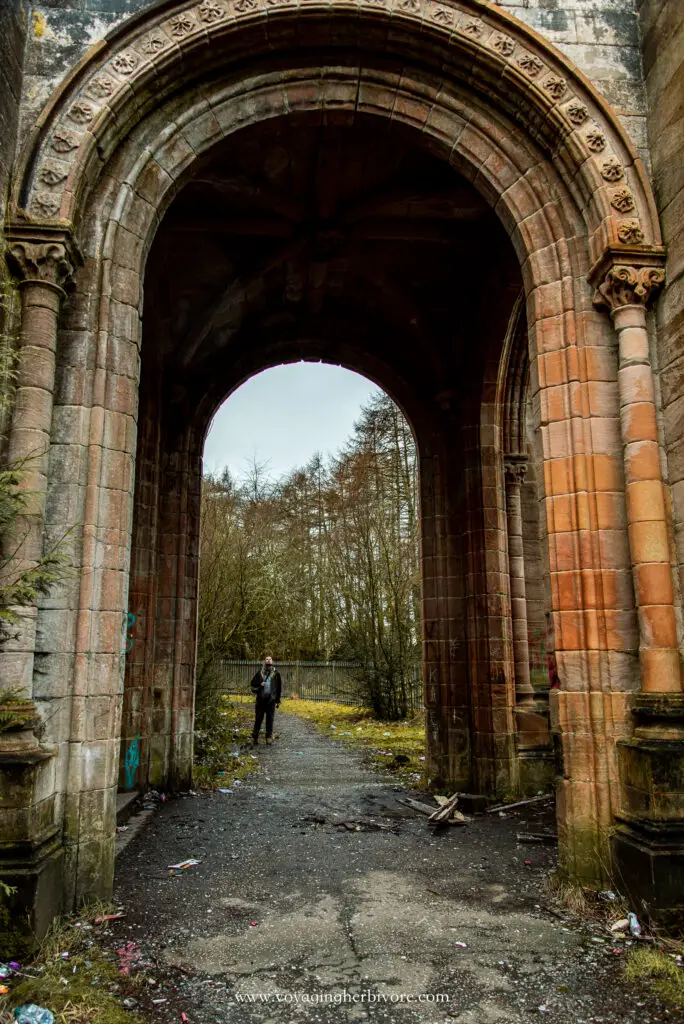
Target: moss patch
point(659, 971)
point(394, 748)
point(85, 986)
point(223, 729)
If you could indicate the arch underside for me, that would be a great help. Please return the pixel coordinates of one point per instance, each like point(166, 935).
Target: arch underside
point(529, 164)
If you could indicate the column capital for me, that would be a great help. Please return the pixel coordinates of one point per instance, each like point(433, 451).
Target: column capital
point(42, 257)
point(515, 469)
point(627, 277)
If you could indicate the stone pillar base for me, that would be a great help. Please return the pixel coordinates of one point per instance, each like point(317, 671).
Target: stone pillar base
point(31, 852)
point(648, 845)
point(536, 762)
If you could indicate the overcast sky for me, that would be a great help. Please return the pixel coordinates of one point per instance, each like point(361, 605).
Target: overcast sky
point(285, 415)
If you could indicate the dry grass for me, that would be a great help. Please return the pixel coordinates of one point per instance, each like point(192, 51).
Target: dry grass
point(395, 748)
point(582, 902)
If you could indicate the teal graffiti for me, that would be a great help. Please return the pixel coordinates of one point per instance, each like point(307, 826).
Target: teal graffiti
point(128, 623)
point(132, 761)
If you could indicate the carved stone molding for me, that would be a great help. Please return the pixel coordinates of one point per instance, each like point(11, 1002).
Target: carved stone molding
point(627, 277)
point(46, 263)
point(515, 471)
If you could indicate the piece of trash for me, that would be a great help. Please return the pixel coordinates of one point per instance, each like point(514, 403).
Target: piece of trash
point(31, 1013)
point(608, 895)
point(129, 1003)
point(184, 1018)
point(388, 734)
point(620, 926)
point(3, 990)
point(543, 1009)
point(158, 1002)
point(225, 790)
point(183, 865)
point(536, 837)
point(252, 924)
point(334, 727)
point(122, 828)
point(421, 758)
point(528, 863)
point(463, 945)
point(5, 970)
point(61, 956)
point(634, 926)
point(101, 918)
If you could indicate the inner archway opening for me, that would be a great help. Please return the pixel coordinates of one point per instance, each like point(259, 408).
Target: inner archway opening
point(348, 241)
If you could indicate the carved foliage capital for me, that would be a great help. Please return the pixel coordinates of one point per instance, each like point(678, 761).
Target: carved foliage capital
point(515, 472)
point(43, 262)
point(628, 285)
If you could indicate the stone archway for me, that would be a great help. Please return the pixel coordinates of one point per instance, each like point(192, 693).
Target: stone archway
point(508, 113)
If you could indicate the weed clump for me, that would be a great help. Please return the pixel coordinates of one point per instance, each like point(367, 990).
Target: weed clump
point(658, 970)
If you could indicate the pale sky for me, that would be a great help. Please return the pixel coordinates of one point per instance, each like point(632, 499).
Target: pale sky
point(285, 415)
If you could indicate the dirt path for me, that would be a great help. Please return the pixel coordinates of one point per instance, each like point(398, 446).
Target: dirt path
point(286, 910)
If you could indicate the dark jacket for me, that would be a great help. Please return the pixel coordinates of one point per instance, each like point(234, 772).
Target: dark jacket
point(276, 685)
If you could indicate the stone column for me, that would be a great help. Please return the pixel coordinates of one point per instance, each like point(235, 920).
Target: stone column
point(627, 290)
point(515, 470)
point(31, 856)
point(42, 268)
point(648, 844)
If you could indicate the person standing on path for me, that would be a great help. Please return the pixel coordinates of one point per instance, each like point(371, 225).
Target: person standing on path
point(267, 685)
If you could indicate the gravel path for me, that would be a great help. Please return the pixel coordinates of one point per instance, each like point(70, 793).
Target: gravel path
point(286, 911)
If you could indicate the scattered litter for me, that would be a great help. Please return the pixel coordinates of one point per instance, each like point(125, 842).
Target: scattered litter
point(158, 1002)
point(101, 918)
point(421, 758)
point(620, 926)
point(543, 1008)
point(388, 734)
point(607, 895)
point(122, 828)
point(547, 838)
point(30, 1013)
point(3, 990)
point(183, 865)
point(462, 945)
point(128, 955)
point(334, 727)
point(129, 1003)
point(447, 814)
point(528, 863)
point(520, 803)
point(184, 1018)
point(225, 790)
point(252, 924)
point(634, 926)
point(61, 956)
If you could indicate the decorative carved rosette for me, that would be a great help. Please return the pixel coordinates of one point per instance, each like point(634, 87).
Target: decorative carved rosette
point(41, 262)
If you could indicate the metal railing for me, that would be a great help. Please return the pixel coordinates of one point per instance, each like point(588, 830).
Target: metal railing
point(309, 680)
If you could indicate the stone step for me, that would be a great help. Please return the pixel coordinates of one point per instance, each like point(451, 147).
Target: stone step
point(125, 802)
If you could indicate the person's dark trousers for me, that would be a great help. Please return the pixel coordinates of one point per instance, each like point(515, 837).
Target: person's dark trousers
point(264, 706)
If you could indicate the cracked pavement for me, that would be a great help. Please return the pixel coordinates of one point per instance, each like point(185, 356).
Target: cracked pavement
point(288, 911)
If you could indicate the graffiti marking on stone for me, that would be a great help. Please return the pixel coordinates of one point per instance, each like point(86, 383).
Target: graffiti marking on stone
point(210, 10)
point(530, 64)
point(132, 760)
point(63, 141)
point(555, 86)
point(502, 44)
point(100, 87)
point(596, 140)
point(623, 200)
point(577, 112)
point(630, 233)
point(611, 169)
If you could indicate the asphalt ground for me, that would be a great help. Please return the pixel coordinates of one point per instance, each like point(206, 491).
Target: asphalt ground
point(292, 917)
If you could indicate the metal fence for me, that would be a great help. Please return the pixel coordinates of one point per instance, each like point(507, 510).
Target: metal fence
point(309, 680)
